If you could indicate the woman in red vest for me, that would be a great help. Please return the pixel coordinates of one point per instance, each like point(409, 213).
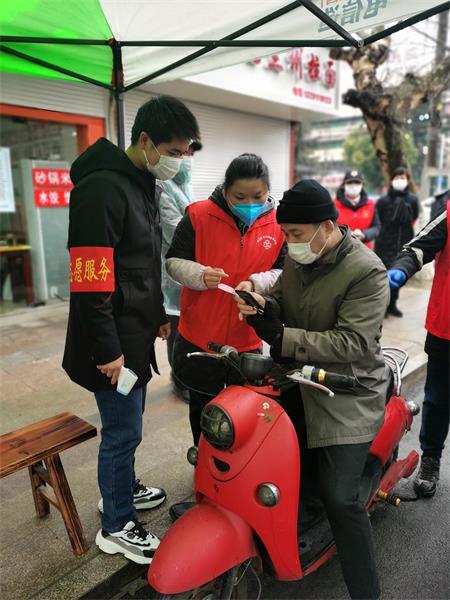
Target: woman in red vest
point(233, 238)
point(356, 210)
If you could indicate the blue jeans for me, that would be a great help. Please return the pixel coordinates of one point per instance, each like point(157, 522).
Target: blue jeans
point(436, 408)
point(121, 433)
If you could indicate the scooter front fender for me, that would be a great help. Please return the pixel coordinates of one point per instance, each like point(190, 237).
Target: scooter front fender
point(204, 543)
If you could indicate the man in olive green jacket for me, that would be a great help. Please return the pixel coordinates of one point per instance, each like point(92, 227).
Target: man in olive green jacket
point(327, 310)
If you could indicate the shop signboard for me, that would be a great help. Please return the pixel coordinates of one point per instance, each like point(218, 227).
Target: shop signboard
point(51, 187)
point(7, 203)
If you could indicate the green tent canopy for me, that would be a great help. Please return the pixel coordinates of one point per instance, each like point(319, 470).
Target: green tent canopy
point(121, 44)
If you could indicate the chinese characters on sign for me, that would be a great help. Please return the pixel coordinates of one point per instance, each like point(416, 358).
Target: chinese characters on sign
point(303, 66)
point(51, 187)
point(91, 269)
point(350, 12)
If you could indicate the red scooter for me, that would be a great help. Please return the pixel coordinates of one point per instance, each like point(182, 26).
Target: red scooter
point(248, 515)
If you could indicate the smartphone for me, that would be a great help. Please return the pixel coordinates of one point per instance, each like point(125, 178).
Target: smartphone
point(250, 301)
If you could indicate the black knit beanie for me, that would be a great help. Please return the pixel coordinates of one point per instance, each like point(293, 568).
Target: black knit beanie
point(306, 202)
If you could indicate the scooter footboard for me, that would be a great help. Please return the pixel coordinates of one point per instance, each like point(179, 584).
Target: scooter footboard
point(399, 469)
point(204, 543)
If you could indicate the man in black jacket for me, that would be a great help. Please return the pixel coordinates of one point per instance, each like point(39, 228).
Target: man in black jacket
point(116, 304)
point(429, 244)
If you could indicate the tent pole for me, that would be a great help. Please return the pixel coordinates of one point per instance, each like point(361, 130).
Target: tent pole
point(118, 92)
point(425, 14)
point(120, 119)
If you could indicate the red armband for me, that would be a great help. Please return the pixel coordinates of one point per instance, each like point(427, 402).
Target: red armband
point(92, 269)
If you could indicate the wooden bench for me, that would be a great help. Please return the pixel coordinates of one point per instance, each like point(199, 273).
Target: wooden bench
point(37, 447)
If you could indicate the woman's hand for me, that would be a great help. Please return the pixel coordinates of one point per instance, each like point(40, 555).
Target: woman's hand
point(212, 276)
point(249, 311)
point(245, 286)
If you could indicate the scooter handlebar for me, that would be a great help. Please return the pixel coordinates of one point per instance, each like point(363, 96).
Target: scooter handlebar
point(214, 347)
point(340, 381)
point(333, 380)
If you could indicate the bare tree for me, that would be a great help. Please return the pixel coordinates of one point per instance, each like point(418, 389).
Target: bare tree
point(385, 109)
point(435, 120)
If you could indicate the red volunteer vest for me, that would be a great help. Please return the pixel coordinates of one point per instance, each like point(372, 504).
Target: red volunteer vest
point(356, 219)
point(212, 315)
point(438, 314)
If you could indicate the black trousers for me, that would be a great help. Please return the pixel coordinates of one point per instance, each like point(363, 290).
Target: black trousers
point(394, 297)
point(336, 472)
point(196, 403)
point(436, 408)
point(339, 470)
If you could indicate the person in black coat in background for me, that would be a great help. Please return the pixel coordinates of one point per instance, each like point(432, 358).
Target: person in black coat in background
point(397, 210)
point(116, 303)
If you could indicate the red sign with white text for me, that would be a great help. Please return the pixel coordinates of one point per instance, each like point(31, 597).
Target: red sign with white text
point(304, 68)
point(51, 187)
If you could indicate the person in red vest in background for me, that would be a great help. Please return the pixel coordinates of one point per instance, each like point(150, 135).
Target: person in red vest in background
point(432, 243)
point(356, 209)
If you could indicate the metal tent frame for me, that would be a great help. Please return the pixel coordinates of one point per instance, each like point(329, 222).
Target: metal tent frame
point(118, 88)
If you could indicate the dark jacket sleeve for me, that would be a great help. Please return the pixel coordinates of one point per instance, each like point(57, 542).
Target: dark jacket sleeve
point(371, 232)
point(279, 263)
point(414, 207)
point(423, 248)
point(183, 241)
point(97, 214)
point(380, 209)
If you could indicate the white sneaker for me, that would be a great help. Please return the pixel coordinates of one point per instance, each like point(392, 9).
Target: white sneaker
point(134, 542)
point(144, 497)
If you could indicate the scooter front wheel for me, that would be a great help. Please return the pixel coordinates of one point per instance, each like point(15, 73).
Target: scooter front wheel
point(231, 585)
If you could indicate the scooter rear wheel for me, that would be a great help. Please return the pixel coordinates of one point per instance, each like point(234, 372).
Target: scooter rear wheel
point(231, 585)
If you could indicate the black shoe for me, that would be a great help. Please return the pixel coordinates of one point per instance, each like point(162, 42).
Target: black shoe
point(425, 482)
point(177, 510)
point(394, 311)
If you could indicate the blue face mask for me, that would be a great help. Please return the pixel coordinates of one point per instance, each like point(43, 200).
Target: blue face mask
point(247, 213)
point(184, 174)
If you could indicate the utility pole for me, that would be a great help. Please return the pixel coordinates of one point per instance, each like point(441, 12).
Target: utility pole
point(435, 105)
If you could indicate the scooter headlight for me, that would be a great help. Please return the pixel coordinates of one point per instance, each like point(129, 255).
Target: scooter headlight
point(217, 427)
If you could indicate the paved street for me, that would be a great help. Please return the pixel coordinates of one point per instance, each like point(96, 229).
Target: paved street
point(33, 387)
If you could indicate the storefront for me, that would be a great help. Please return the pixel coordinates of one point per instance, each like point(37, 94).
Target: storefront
point(45, 125)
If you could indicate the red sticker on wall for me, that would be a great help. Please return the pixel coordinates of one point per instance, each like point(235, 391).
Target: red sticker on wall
point(92, 269)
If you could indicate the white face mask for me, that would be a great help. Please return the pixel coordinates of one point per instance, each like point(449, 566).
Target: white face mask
point(353, 190)
point(400, 185)
point(166, 168)
point(301, 251)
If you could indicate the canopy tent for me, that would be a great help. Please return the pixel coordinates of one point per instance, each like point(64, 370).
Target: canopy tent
point(122, 44)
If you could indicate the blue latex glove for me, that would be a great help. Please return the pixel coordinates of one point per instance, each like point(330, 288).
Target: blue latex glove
point(396, 278)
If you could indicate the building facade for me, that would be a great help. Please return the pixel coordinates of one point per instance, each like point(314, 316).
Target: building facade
point(45, 125)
